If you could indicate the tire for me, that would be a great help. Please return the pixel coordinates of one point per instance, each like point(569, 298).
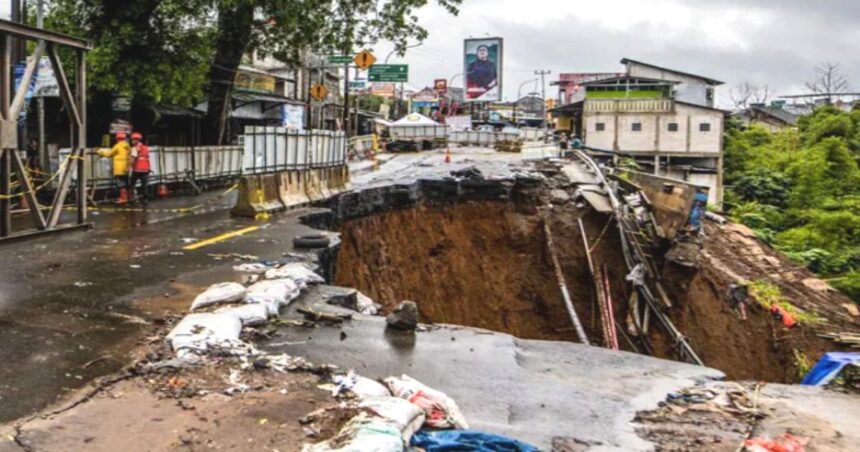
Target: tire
point(311, 241)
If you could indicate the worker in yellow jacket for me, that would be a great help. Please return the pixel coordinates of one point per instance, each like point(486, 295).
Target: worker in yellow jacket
point(120, 153)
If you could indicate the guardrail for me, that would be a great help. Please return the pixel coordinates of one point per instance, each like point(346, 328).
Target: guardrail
point(416, 132)
point(262, 150)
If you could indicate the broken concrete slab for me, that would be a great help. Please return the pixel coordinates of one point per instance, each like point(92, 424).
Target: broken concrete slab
point(531, 390)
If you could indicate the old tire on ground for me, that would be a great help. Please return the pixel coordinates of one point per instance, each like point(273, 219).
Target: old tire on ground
point(311, 241)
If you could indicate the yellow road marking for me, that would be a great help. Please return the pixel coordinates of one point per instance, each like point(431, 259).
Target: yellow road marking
point(220, 238)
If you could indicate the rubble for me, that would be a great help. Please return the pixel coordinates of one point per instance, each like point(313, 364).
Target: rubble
point(403, 317)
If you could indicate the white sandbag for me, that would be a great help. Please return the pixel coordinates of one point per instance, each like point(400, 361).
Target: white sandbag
point(272, 293)
point(230, 292)
point(299, 272)
point(249, 314)
point(254, 268)
point(440, 410)
point(199, 332)
point(363, 433)
point(407, 416)
point(362, 387)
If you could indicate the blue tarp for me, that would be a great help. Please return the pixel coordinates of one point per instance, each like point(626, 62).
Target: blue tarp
point(829, 367)
point(467, 440)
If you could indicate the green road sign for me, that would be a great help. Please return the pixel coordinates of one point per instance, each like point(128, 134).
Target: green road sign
point(388, 73)
point(340, 59)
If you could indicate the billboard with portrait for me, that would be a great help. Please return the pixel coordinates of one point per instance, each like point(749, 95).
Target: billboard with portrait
point(483, 69)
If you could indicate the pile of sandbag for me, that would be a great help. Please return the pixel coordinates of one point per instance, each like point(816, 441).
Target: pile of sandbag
point(202, 332)
point(390, 414)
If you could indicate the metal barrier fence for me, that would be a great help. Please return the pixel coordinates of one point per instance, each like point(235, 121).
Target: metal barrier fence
point(480, 138)
point(533, 134)
point(269, 149)
point(262, 150)
point(418, 132)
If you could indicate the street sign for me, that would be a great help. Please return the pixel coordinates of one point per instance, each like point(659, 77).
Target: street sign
point(319, 92)
point(388, 73)
point(364, 59)
point(339, 59)
point(357, 85)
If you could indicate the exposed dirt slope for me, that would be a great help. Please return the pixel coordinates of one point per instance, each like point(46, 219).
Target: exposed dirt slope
point(479, 264)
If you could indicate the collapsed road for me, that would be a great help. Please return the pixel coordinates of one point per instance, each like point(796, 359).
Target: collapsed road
point(467, 242)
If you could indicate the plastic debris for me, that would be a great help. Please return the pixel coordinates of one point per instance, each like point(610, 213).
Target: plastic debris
point(302, 274)
point(200, 332)
point(249, 314)
point(636, 275)
point(363, 433)
point(219, 293)
point(467, 440)
point(440, 410)
point(365, 304)
point(784, 443)
point(829, 366)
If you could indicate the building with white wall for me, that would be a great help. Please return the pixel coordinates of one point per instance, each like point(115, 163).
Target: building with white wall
point(664, 119)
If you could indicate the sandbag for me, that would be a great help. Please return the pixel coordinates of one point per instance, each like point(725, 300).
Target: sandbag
point(249, 314)
point(228, 292)
point(199, 332)
point(362, 387)
point(407, 416)
point(254, 268)
point(363, 433)
point(272, 293)
point(300, 273)
point(440, 410)
point(466, 440)
point(365, 304)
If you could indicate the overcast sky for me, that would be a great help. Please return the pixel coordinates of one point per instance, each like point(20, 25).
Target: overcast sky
point(773, 42)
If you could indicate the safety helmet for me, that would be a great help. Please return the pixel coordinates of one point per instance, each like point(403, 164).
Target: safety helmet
point(120, 136)
point(136, 136)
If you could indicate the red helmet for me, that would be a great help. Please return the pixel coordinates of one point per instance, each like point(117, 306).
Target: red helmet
point(120, 136)
point(136, 136)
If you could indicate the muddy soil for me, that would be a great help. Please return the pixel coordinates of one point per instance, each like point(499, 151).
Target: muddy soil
point(485, 264)
point(479, 264)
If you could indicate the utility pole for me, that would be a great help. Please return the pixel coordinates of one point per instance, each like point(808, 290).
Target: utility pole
point(543, 73)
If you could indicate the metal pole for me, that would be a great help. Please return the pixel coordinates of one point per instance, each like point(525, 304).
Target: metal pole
point(543, 73)
point(44, 158)
point(346, 99)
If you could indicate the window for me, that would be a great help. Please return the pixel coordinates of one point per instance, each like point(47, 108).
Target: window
point(705, 127)
point(636, 127)
point(673, 127)
point(600, 127)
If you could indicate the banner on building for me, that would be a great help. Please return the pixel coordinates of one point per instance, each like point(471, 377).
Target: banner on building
point(483, 69)
point(46, 82)
point(382, 89)
point(293, 116)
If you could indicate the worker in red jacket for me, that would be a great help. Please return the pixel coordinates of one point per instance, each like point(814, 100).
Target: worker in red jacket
point(140, 167)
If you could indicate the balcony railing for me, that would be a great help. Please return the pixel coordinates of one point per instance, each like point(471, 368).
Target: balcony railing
point(629, 105)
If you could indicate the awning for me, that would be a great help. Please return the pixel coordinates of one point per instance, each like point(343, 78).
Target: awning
point(245, 97)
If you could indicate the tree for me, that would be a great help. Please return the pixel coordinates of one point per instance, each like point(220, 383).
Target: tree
point(829, 82)
point(285, 28)
point(745, 94)
point(148, 51)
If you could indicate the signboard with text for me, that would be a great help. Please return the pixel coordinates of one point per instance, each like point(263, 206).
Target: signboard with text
point(388, 73)
point(339, 59)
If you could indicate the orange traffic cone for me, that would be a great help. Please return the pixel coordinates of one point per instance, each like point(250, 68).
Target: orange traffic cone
point(162, 191)
point(448, 154)
point(123, 196)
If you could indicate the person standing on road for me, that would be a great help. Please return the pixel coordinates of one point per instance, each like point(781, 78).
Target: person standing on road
point(119, 153)
point(140, 166)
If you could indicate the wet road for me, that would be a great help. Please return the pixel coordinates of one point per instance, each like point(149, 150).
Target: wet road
point(527, 389)
point(73, 305)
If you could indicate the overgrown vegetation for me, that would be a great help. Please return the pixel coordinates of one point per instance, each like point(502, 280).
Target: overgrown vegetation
point(767, 294)
point(799, 190)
